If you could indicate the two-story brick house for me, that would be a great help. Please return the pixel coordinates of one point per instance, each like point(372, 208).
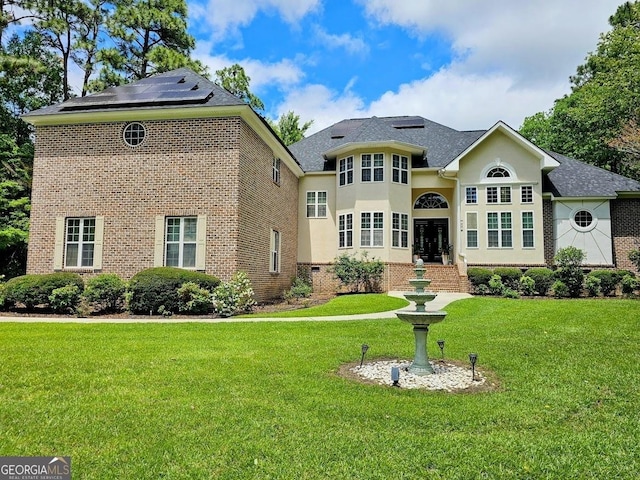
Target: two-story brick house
point(173, 170)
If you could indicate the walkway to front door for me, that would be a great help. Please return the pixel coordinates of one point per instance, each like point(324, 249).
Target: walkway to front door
point(430, 236)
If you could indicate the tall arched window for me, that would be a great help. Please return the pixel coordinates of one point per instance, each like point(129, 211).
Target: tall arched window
point(498, 172)
point(431, 200)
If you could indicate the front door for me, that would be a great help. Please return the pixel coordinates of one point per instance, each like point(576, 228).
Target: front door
point(430, 236)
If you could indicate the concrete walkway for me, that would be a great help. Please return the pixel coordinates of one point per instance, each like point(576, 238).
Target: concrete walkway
point(438, 303)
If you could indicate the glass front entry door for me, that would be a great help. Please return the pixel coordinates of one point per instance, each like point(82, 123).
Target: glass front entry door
point(430, 237)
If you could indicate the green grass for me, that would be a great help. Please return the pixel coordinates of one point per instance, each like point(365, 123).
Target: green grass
point(343, 305)
point(262, 400)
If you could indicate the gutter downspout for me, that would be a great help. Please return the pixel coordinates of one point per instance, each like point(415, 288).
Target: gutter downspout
point(458, 219)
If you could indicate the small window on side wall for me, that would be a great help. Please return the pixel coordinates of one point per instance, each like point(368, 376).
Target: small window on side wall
point(134, 134)
point(276, 171)
point(274, 261)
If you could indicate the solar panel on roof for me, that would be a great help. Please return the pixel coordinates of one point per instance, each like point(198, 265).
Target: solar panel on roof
point(339, 131)
point(413, 122)
point(161, 79)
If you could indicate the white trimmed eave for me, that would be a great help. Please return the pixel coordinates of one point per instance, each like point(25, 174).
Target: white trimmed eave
point(350, 146)
point(141, 114)
point(555, 198)
point(547, 162)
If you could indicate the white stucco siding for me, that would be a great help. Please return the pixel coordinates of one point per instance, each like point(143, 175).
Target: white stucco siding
point(500, 150)
point(594, 239)
point(317, 237)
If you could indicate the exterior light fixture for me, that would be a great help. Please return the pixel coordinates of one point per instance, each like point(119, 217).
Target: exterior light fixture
point(441, 345)
point(365, 347)
point(473, 358)
point(395, 376)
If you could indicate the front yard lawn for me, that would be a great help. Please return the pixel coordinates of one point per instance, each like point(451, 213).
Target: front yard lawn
point(341, 305)
point(262, 400)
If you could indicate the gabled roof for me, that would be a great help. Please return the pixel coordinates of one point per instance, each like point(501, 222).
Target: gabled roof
point(546, 161)
point(573, 178)
point(414, 134)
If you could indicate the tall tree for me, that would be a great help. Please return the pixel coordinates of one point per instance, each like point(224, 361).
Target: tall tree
point(289, 129)
point(235, 80)
point(149, 36)
point(605, 95)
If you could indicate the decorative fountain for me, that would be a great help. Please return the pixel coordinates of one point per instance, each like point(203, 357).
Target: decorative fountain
point(420, 319)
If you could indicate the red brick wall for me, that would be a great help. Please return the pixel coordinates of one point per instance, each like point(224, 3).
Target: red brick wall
point(625, 225)
point(183, 167)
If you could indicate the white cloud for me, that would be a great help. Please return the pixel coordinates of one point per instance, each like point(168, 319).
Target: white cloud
point(351, 44)
point(284, 73)
point(226, 16)
point(532, 42)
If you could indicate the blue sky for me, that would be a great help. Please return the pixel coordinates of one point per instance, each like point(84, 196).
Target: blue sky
point(463, 63)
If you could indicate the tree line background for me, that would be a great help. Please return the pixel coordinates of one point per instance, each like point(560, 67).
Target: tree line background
point(114, 42)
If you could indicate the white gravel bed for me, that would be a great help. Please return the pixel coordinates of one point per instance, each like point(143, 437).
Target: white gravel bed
point(447, 376)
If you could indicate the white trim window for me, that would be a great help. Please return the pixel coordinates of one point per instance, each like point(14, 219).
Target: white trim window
point(372, 229)
point(400, 230)
point(275, 171)
point(372, 167)
point(345, 166)
point(133, 134)
point(274, 261)
point(400, 170)
point(316, 204)
point(471, 195)
point(80, 237)
point(527, 230)
point(526, 194)
point(180, 242)
point(498, 194)
point(345, 230)
point(499, 230)
point(472, 230)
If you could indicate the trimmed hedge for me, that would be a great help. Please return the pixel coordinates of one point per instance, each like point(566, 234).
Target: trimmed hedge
point(105, 292)
point(510, 276)
point(158, 287)
point(609, 280)
point(542, 277)
point(34, 290)
point(479, 276)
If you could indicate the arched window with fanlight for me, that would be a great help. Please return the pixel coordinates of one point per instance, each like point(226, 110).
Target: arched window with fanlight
point(498, 172)
point(431, 200)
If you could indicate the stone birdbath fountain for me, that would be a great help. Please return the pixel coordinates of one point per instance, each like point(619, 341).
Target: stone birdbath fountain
point(420, 319)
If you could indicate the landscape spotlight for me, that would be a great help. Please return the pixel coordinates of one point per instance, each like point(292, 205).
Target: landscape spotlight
point(365, 347)
point(395, 376)
point(473, 358)
point(441, 345)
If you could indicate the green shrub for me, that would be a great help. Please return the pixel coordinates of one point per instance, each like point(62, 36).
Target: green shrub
point(629, 284)
point(510, 276)
point(542, 278)
point(105, 293)
point(634, 256)
point(593, 285)
point(155, 287)
point(527, 285)
point(363, 274)
point(65, 299)
point(34, 290)
point(193, 299)
point(609, 280)
point(299, 289)
point(569, 261)
point(496, 287)
point(560, 290)
point(479, 276)
point(234, 297)
point(510, 293)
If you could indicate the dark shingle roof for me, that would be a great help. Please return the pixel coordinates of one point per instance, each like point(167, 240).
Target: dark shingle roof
point(442, 144)
point(175, 89)
point(574, 178)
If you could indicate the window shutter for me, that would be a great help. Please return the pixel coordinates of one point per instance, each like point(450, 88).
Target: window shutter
point(158, 251)
point(97, 246)
point(58, 252)
point(201, 245)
